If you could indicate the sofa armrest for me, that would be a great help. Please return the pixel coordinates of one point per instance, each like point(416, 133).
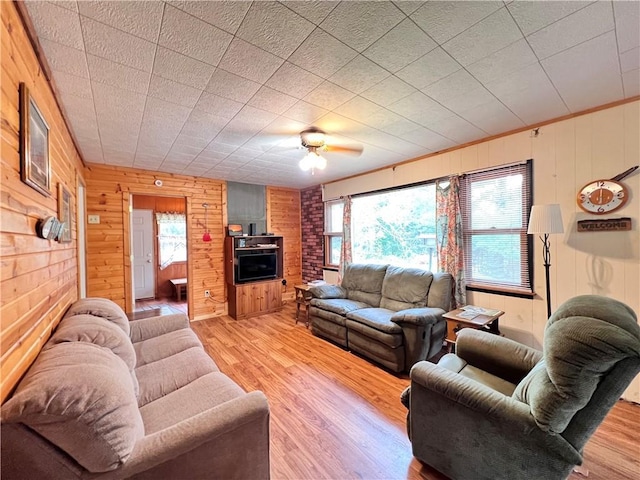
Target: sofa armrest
point(500, 356)
point(418, 316)
point(328, 291)
point(151, 327)
point(480, 406)
point(231, 440)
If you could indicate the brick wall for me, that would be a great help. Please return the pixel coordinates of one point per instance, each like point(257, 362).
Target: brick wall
point(312, 229)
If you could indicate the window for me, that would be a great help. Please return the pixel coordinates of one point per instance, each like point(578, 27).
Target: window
point(495, 211)
point(333, 232)
point(396, 227)
point(172, 238)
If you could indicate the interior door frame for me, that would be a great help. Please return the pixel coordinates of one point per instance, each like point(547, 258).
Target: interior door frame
point(81, 236)
point(127, 209)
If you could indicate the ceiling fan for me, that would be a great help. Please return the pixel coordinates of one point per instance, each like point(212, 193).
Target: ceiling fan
point(315, 141)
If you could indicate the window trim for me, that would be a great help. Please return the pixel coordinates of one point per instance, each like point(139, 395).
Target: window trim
point(328, 235)
point(526, 241)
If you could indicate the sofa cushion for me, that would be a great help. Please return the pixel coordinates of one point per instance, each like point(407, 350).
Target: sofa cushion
point(146, 328)
point(376, 318)
point(328, 291)
point(80, 397)
point(96, 330)
point(404, 288)
point(167, 375)
point(202, 394)
point(456, 364)
point(163, 346)
point(363, 283)
point(338, 305)
point(100, 307)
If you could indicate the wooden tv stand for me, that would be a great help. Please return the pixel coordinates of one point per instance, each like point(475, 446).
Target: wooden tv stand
point(254, 298)
point(251, 298)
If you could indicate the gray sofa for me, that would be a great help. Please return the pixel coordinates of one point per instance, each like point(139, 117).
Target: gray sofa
point(497, 409)
point(110, 399)
point(391, 315)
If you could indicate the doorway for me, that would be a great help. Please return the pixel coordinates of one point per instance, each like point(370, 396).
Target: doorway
point(81, 237)
point(159, 250)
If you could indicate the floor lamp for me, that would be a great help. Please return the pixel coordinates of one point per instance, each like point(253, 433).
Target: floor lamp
point(545, 220)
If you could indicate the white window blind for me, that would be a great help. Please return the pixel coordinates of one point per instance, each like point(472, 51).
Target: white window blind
point(495, 213)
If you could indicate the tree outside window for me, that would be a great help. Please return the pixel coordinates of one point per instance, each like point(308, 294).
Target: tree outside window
point(397, 227)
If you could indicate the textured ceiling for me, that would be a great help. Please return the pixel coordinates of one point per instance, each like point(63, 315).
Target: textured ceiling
point(221, 89)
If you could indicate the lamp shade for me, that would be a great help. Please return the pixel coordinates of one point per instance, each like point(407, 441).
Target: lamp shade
point(545, 219)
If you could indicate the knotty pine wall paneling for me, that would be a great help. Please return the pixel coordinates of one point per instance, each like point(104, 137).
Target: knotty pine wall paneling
point(567, 154)
point(177, 269)
point(283, 218)
point(109, 195)
point(39, 277)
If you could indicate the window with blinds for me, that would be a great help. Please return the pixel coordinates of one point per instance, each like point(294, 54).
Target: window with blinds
point(495, 213)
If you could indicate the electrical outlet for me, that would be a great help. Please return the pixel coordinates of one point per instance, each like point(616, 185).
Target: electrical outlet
point(207, 293)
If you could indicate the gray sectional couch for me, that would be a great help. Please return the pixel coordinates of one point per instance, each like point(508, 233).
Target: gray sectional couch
point(392, 315)
point(107, 398)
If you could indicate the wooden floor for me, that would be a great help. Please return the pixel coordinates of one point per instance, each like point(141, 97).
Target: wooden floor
point(335, 415)
point(168, 304)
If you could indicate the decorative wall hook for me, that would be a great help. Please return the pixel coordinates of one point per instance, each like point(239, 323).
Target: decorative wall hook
point(207, 236)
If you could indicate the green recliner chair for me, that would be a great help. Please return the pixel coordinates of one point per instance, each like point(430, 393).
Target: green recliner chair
point(497, 409)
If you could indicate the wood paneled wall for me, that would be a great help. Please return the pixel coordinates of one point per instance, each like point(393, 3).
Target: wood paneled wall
point(177, 269)
point(109, 195)
point(39, 277)
point(283, 218)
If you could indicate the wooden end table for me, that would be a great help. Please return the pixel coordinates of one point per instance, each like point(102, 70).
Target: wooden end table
point(303, 297)
point(455, 323)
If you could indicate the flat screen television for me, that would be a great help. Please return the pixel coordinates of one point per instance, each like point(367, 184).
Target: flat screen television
point(257, 266)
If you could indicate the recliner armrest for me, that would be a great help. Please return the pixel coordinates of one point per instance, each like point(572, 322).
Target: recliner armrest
point(328, 291)
point(418, 316)
point(500, 356)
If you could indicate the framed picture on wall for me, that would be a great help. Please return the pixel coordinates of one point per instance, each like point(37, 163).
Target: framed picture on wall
point(34, 145)
point(64, 214)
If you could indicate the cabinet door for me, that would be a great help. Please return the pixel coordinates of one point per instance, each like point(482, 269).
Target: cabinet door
point(247, 299)
point(271, 295)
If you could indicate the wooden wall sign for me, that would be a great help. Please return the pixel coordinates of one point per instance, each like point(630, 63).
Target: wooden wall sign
point(610, 225)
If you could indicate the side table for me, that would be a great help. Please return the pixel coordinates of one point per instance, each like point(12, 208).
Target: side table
point(455, 323)
point(303, 297)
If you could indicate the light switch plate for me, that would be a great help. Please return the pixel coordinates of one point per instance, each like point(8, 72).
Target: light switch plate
point(93, 219)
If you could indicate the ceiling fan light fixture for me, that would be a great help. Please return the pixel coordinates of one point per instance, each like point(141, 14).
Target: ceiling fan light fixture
point(313, 161)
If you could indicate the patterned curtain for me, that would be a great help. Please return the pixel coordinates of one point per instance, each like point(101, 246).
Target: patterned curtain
point(345, 251)
point(449, 235)
point(169, 217)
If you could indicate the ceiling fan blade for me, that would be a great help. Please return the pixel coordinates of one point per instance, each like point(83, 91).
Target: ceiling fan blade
point(348, 149)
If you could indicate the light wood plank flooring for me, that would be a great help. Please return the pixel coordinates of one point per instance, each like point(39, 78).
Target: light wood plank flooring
point(335, 415)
